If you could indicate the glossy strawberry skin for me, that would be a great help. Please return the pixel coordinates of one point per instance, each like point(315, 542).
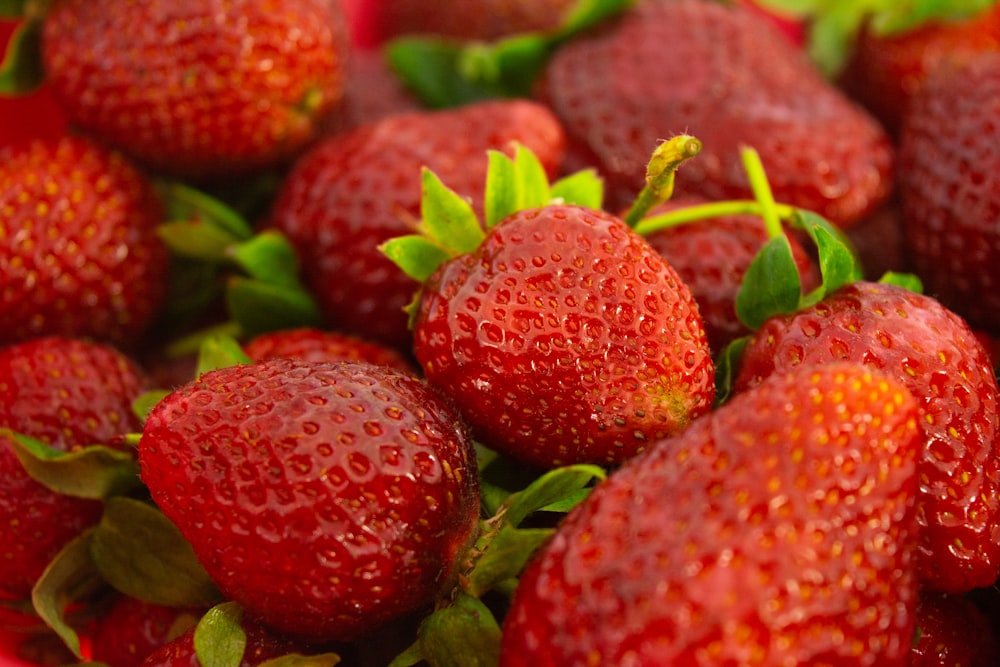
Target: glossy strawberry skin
point(359, 189)
point(949, 188)
point(131, 630)
point(311, 344)
point(885, 72)
point(711, 256)
point(67, 393)
point(953, 631)
point(774, 531)
point(196, 89)
point(79, 253)
point(727, 76)
point(914, 339)
point(565, 338)
point(325, 498)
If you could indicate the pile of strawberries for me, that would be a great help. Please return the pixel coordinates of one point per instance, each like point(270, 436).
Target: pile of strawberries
point(500, 333)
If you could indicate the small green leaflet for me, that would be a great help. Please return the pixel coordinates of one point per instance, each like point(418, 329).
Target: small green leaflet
point(447, 217)
point(219, 640)
point(21, 70)
point(771, 286)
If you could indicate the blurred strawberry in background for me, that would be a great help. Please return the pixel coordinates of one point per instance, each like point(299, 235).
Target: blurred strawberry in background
point(30, 116)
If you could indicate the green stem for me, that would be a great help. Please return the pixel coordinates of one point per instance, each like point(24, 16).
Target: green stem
point(762, 191)
point(660, 175)
point(191, 343)
point(696, 212)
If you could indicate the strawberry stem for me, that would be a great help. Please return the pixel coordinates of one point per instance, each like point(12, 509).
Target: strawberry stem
point(698, 212)
point(762, 191)
point(661, 173)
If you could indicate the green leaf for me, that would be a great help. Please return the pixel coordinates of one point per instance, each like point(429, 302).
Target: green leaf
point(551, 487)
point(583, 188)
point(771, 285)
point(187, 203)
point(197, 239)
point(21, 70)
point(501, 196)
point(463, 634)
point(140, 552)
point(12, 9)
point(726, 367)
point(504, 557)
point(533, 182)
point(71, 576)
point(220, 351)
point(146, 401)
point(838, 262)
point(416, 255)
point(586, 13)
point(905, 280)
point(259, 307)
point(509, 67)
point(95, 472)
point(219, 639)
point(268, 257)
point(500, 477)
point(430, 69)
point(447, 217)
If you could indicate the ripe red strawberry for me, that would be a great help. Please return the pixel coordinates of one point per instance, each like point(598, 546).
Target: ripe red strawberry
point(884, 72)
point(932, 351)
point(360, 188)
point(711, 256)
point(79, 253)
point(953, 631)
point(317, 345)
point(131, 630)
point(950, 193)
point(325, 498)
point(725, 75)
point(198, 89)
point(30, 116)
point(373, 91)
point(69, 394)
point(466, 20)
point(774, 531)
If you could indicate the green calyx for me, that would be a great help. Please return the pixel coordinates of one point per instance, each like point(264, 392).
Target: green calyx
point(446, 73)
point(834, 25)
point(449, 225)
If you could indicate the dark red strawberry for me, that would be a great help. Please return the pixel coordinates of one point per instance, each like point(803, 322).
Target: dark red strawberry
point(773, 531)
point(131, 630)
point(951, 631)
point(886, 70)
point(359, 189)
point(30, 116)
point(198, 89)
point(68, 394)
point(932, 351)
point(711, 256)
point(325, 498)
point(318, 345)
point(79, 253)
point(373, 91)
point(466, 20)
point(725, 75)
point(949, 188)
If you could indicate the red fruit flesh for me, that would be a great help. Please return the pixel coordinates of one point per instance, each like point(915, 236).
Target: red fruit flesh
point(777, 530)
point(933, 352)
point(325, 498)
point(316, 345)
point(565, 338)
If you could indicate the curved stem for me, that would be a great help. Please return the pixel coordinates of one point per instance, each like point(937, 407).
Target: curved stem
point(697, 212)
point(762, 191)
point(660, 175)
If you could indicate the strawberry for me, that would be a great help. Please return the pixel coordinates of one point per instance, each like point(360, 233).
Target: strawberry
point(711, 257)
point(69, 394)
point(885, 70)
point(327, 499)
point(933, 352)
point(726, 76)
point(31, 116)
point(132, 629)
point(773, 531)
point(79, 253)
point(198, 90)
point(561, 335)
point(311, 344)
point(948, 161)
point(466, 20)
point(360, 188)
point(953, 631)
point(372, 91)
